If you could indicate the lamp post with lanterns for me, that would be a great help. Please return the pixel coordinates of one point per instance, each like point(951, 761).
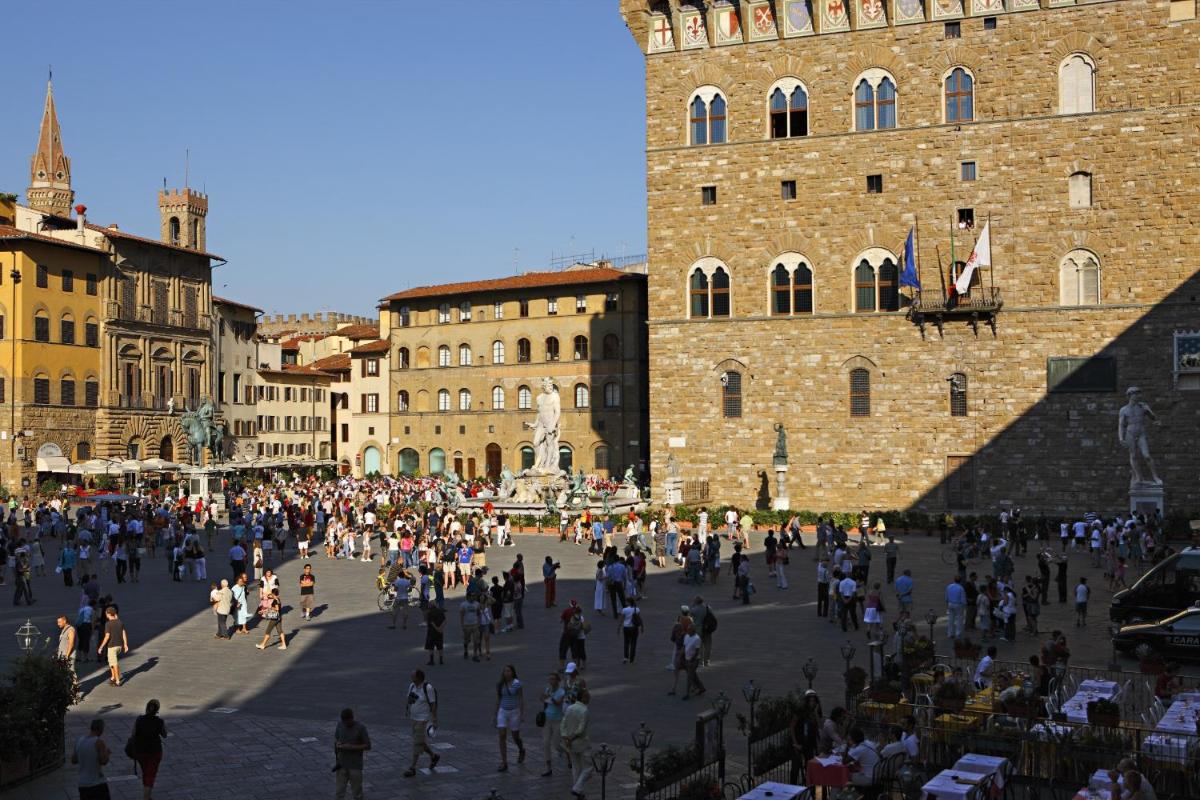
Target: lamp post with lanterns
point(603, 760)
point(641, 740)
point(27, 636)
point(810, 671)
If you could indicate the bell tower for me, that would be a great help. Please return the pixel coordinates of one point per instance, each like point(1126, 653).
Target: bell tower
point(183, 213)
point(50, 170)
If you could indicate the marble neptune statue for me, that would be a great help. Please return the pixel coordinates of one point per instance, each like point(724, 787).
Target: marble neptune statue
point(545, 430)
point(1132, 422)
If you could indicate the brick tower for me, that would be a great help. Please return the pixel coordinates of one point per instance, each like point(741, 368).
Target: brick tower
point(183, 214)
point(50, 170)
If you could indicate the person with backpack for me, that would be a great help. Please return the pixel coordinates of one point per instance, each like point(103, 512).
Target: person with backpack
point(145, 745)
point(421, 708)
point(706, 623)
point(631, 628)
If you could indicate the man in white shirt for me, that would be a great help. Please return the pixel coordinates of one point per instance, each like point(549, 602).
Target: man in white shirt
point(691, 661)
point(983, 670)
point(731, 518)
point(847, 588)
point(422, 709)
point(864, 754)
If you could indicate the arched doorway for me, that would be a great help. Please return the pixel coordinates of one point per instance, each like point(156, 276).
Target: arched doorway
point(133, 450)
point(166, 449)
point(470, 469)
point(437, 461)
point(566, 458)
point(410, 461)
point(344, 468)
point(527, 456)
point(458, 463)
point(372, 461)
point(493, 457)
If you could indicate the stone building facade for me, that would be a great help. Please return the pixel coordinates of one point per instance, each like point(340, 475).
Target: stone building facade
point(467, 362)
point(235, 343)
point(292, 410)
point(793, 147)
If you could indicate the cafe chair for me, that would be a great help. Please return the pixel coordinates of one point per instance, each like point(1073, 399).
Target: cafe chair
point(737, 787)
point(983, 789)
point(887, 774)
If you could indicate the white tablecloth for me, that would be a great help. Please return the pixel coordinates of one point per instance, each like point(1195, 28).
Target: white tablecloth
point(1076, 707)
point(944, 785)
point(1168, 748)
point(773, 791)
point(1107, 688)
point(1180, 717)
point(983, 765)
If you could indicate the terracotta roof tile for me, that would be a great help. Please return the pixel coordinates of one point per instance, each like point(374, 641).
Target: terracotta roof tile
point(236, 304)
point(371, 348)
point(294, 342)
point(339, 362)
point(357, 332)
point(114, 233)
point(530, 280)
point(296, 369)
point(10, 232)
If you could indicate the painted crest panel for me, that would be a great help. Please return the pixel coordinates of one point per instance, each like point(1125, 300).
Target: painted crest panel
point(871, 14)
point(695, 33)
point(761, 22)
point(797, 18)
point(910, 11)
point(834, 16)
point(982, 7)
point(662, 37)
point(728, 25)
point(946, 9)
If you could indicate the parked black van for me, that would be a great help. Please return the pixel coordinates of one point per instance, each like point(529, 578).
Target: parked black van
point(1171, 586)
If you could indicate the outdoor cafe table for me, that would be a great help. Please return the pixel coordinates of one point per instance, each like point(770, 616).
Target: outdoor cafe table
point(1076, 707)
point(983, 765)
point(951, 784)
point(1180, 717)
point(773, 791)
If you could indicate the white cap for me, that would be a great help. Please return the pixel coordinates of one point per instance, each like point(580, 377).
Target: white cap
point(571, 668)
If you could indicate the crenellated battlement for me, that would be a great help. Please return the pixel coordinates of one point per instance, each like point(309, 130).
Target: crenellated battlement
point(310, 323)
point(668, 26)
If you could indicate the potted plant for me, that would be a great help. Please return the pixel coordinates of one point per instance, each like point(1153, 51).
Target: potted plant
point(885, 691)
point(1104, 712)
point(965, 648)
point(950, 696)
point(919, 653)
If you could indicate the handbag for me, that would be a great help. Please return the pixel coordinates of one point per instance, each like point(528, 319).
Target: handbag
point(271, 614)
point(540, 719)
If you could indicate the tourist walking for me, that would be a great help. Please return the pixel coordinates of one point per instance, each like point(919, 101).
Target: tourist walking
point(435, 633)
point(148, 733)
point(308, 591)
point(822, 587)
point(91, 754)
point(510, 707)
point(1082, 593)
point(550, 580)
point(273, 614)
point(891, 554)
point(575, 740)
point(421, 707)
point(956, 608)
point(114, 643)
point(222, 606)
point(67, 639)
point(631, 628)
point(691, 662)
point(553, 698)
point(350, 742)
point(241, 607)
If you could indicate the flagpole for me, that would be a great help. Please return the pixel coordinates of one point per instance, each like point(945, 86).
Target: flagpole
point(917, 245)
point(941, 272)
point(992, 266)
point(953, 260)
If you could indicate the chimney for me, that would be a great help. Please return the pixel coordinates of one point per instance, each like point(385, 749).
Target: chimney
point(80, 222)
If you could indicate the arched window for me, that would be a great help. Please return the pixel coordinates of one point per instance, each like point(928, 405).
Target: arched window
point(566, 458)
point(706, 116)
point(720, 292)
point(66, 391)
point(1079, 190)
point(698, 291)
point(422, 357)
point(527, 455)
point(874, 101)
point(552, 348)
point(1077, 85)
point(66, 329)
point(791, 286)
point(960, 96)
point(600, 459)
point(437, 461)
point(1079, 279)
point(173, 234)
point(524, 398)
point(580, 350)
point(422, 401)
point(464, 399)
point(497, 352)
point(402, 400)
point(41, 326)
point(497, 398)
point(464, 311)
point(864, 287)
point(876, 282)
point(788, 109)
point(524, 351)
point(582, 396)
point(781, 291)
point(410, 461)
point(612, 395)
point(443, 399)
point(860, 392)
point(612, 347)
point(402, 358)
point(444, 355)
point(83, 451)
point(958, 394)
point(464, 355)
point(731, 395)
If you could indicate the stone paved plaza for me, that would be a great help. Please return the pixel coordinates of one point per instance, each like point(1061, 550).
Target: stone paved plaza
point(245, 721)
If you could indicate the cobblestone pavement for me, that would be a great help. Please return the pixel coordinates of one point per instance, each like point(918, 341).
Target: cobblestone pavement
point(244, 718)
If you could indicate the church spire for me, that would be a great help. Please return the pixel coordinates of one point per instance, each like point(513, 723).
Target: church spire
point(50, 169)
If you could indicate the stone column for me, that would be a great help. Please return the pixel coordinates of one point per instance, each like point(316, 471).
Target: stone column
point(781, 501)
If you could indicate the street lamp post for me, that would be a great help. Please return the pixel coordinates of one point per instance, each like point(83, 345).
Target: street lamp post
point(1115, 664)
point(721, 705)
point(602, 761)
point(931, 619)
point(641, 740)
point(751, 692)
point(848, 652)
point(27, 636)
point(810, 671)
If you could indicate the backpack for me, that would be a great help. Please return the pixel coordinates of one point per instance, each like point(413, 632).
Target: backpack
point(575, 624)
point(710, 623)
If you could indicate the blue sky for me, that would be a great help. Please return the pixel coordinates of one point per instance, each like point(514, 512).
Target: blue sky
point(349, 149)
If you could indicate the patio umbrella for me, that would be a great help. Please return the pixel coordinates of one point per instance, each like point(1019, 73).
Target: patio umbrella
point(159, 465)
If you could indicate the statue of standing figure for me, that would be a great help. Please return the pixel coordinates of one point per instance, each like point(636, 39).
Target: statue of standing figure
point(545, 430)
point(1132, 423)
point(781, 453)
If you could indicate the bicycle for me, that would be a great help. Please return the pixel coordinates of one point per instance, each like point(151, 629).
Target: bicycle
point(972, 555)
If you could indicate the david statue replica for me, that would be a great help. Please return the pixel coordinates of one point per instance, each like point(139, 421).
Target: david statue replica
point(1132, 423)
point(546, 431)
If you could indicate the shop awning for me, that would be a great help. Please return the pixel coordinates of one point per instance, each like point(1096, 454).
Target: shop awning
point(59, 464)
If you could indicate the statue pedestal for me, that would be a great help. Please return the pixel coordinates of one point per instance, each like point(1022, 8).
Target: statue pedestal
point(1146, 498)
point(673, 491)
point(781, 501)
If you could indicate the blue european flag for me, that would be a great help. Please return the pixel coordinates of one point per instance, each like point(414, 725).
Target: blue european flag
point(909, 276)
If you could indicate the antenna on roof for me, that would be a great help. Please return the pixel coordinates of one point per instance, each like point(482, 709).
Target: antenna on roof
point(50, 72)
point(516, 250)
point(187, 166)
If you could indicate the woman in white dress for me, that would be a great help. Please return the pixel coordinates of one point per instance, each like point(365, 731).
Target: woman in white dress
point(598, 604)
